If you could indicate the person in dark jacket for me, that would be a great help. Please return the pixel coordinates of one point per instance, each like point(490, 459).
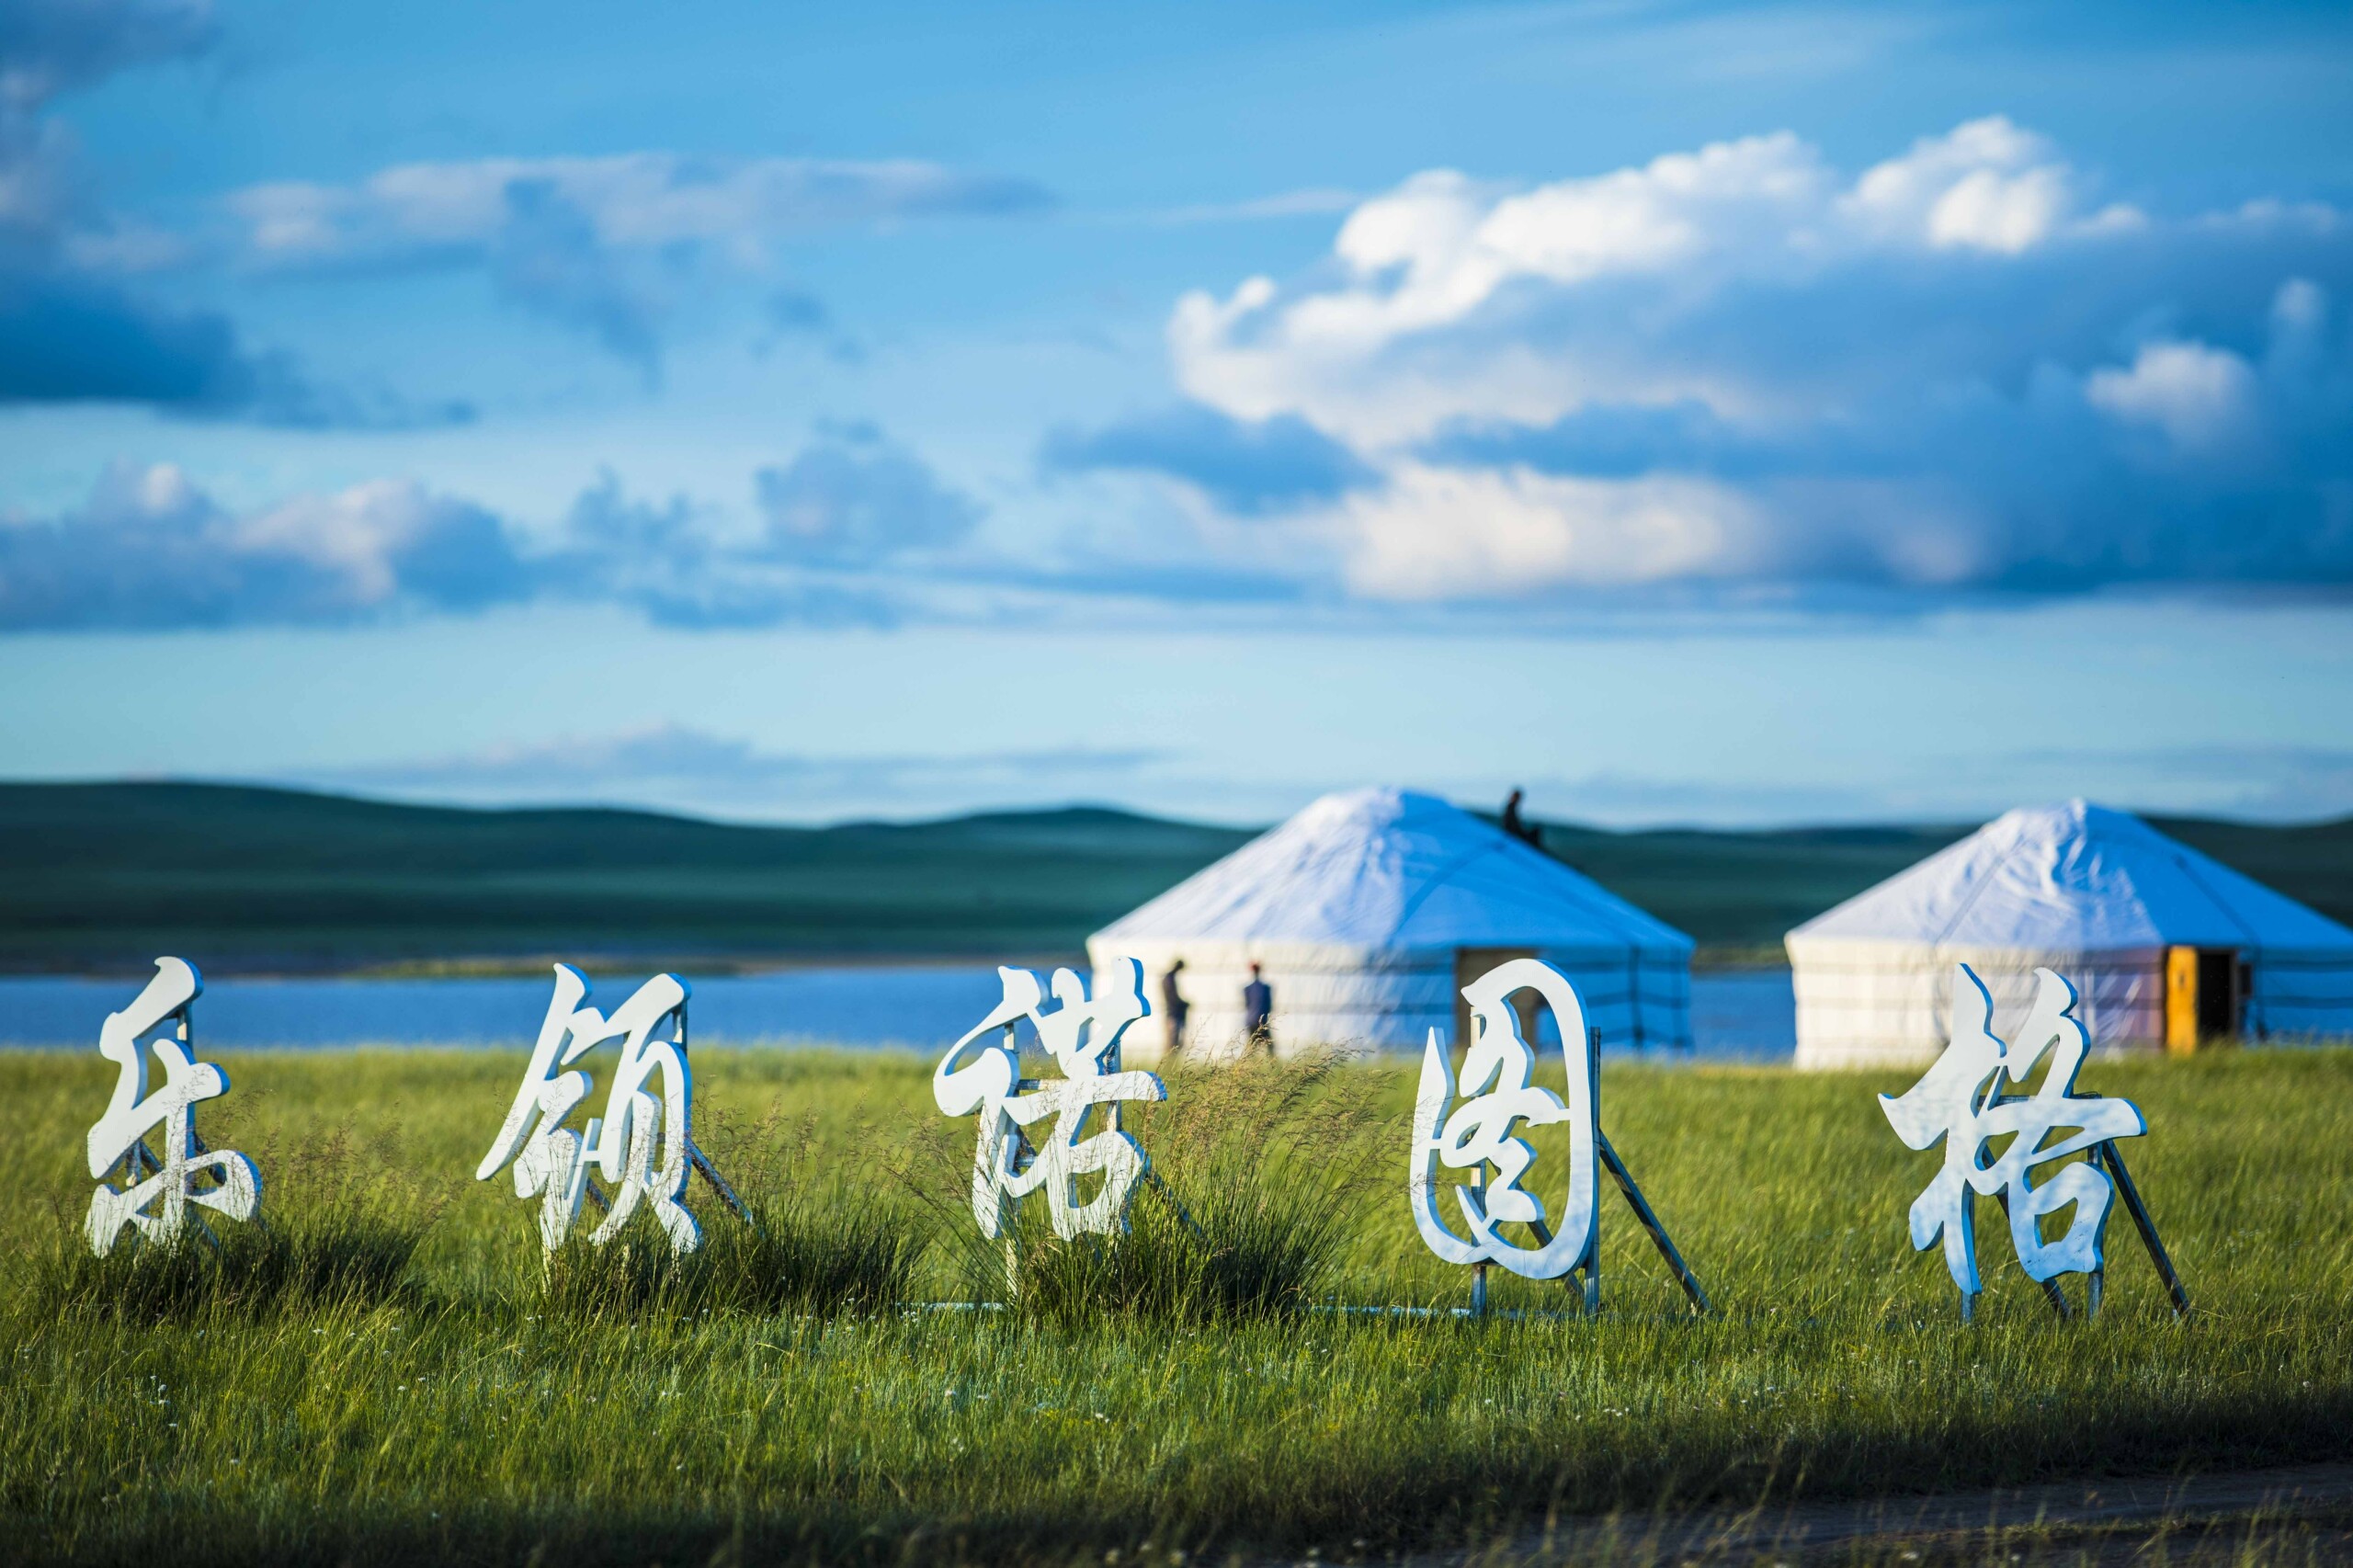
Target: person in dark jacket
point(1174, 1007)
point(1258, 1012)
point(1520, 827)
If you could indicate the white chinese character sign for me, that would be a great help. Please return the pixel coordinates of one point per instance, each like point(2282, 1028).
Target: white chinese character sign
point(159, 1189)
point(643, 1145)
point(1468, 1125)
point(983, 1075)
point(1961, 1100)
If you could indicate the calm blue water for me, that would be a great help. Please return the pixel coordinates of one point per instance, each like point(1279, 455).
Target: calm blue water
point(1747, 1016)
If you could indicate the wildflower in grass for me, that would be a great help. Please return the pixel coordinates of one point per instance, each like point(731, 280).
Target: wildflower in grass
point(1959, 1099)
point(1083, 1037)
point(642, 1145)
point(157, 1204)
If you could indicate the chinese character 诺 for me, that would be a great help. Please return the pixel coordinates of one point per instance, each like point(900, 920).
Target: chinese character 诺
point(1959, 1099)
point(157, 1204)
point(1478, 1133)
point(643, 1145)
point(1083, 1037)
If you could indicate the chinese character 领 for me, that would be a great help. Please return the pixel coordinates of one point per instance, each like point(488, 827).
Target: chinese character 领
point(1083, 1037)
point(1478, 1133)
point(643, 1145)
point(1959, 1099)
point(157, 1204)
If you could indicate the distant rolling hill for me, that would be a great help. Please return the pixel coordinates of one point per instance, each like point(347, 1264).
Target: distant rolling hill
point(104, 875)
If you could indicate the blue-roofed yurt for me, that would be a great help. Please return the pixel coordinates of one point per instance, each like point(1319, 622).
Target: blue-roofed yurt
point(2165, 946)
point(1369, 910)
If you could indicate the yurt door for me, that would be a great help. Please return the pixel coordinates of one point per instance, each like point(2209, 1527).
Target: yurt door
point(2202, 996)
point(1470, 963)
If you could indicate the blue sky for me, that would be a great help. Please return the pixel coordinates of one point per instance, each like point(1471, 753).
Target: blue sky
point(1719, 413)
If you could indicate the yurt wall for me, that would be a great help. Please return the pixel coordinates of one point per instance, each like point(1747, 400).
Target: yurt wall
point(1355, 1000)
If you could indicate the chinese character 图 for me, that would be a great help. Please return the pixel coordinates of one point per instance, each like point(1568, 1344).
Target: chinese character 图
point(1477, 1131)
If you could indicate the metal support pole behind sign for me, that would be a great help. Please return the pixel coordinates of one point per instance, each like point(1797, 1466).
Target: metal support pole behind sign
point(2108, 1154)
point(1634, 1199)
point(695, 1158)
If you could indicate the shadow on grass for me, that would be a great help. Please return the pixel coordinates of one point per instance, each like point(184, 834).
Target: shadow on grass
point(331, 1258)
point(793, 1256)
point(350, 1239)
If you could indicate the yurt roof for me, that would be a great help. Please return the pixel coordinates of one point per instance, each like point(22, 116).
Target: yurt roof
point(2076, 878)
point(1392, 870)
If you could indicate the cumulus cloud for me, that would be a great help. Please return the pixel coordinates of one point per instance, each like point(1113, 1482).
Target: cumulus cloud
point(1434, 533)
point(150, 551)
point(673, 563)
point(601, 245)
point(852, 498)
point(1955, 369)
point(2199, 395)
point(1245, 467)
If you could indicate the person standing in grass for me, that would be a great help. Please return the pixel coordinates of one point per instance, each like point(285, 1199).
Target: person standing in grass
point(1258, 1012)
point(1174, 1006)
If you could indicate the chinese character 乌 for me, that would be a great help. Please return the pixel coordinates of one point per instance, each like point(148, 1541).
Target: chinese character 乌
point(157, 1206)
point(1083, 1037)
point(1959, 1099)
point(643, 1145)
point(1477, 1132)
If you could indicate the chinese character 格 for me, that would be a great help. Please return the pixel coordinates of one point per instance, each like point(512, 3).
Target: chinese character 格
point(1959, 1099)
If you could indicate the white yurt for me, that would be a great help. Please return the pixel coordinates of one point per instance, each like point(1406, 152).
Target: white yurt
point(1369, 910)
point(2165, 946)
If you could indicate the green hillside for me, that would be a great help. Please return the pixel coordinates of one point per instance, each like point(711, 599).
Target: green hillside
point(107, 875)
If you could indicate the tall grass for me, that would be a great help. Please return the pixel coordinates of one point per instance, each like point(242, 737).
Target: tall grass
point(1256, 1174)
point(461, 1416)
point(347, 1233)
point(319, 1260)
point(791, 1256)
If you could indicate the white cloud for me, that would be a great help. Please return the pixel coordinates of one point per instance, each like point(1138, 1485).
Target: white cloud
point(1740, 364)
point(633, 199)
point(2203, 398)
point(1437, 534)
point(1420, 327)
point(151, 550)
point(1366, 359)
point(1986, 185)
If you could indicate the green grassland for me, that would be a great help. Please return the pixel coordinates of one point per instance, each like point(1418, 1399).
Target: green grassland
point(105, 876)
point(458, 1407)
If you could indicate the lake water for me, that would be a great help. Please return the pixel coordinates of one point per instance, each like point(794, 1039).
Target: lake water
point(1735, 1016)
